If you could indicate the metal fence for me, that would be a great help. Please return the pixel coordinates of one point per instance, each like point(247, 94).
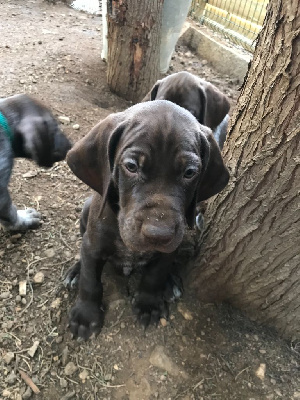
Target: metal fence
point(238, 20)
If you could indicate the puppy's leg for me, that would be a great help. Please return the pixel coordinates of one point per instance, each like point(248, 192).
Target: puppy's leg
point(86, 316)
point(72, 276)
point(10, 217)
point(16, 220)
point(149, 304)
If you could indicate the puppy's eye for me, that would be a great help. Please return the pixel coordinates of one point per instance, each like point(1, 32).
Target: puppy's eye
point(189, 173)
point(131, 165)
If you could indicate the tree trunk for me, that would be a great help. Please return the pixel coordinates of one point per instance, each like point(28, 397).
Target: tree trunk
point(250, 254)
point(133, 46)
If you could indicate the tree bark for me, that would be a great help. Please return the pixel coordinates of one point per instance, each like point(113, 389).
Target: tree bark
point(133, 46)
point(250, 253)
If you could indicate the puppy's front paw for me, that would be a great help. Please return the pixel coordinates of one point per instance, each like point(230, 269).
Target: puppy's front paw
point(27, 219)
point(149, 308)
point(86, 318)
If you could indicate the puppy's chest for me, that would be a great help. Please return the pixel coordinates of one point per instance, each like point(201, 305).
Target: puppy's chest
point(128, 260)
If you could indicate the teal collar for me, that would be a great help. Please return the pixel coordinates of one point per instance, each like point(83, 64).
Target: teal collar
point(4, 124)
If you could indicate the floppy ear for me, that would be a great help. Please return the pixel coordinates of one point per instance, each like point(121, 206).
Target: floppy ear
point(91, 158)
point(150, 96)
point(215, 174)
point(214, 177)
point(154, 91)
point(216, 105)
point(204, 154)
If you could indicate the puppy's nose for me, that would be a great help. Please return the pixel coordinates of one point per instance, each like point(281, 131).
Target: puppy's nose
point(162, 234)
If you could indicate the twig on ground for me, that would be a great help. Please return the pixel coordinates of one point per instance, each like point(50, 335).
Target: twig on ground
point(29, 381)
point(245, 369)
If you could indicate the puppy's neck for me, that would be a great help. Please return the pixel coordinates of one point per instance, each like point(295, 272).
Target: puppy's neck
point(6, 128)
point(15, 139)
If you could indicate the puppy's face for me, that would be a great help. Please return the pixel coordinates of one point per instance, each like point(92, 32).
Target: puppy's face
point(157, 174)
point(185, 91)
point(151, 164)
point(199, 97)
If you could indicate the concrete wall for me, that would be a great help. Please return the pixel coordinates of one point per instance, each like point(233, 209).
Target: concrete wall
point(224, 59)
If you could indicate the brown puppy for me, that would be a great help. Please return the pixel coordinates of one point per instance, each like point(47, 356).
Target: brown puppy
point(199, 97)
point(149, 166)
point(29, 130)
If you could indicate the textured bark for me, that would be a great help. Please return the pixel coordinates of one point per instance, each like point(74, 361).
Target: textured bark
point(250, 253)
point(133, 46)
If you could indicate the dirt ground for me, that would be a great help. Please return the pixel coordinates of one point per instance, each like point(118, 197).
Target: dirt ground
point(205, 351)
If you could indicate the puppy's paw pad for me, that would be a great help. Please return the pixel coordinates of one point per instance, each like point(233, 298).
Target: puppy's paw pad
point(86, 319)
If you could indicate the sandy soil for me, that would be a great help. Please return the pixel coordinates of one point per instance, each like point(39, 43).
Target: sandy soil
point(205, 351)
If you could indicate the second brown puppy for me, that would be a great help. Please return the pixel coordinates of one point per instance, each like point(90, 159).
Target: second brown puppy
point(202, 99)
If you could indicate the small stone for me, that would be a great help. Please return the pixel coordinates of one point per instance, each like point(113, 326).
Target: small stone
point(163, 322)
point(296, 395)
point(163, 377)
point(63, 383)
point(76, 127)
point(23, 301)
point(22, 81)
point(27, 394)
point(6, 393)
point(18, 298)
point(30, 174)
point(11, 378)
point(5, 295)
point(39, 277)
point(262, 351)
point(64, 356)
point(70, 368)
point(59, 339)
point(49, 253)
point(108, 377)
point(68, 395)
point(56, 303)
point(15, 238)
point(22, 288)
point(33, 348)
point(160, 360)
point(8, 357)
point(184, 312)
point(63, 119)
point(260, 372)
point(123, 325)
point(83, 375)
